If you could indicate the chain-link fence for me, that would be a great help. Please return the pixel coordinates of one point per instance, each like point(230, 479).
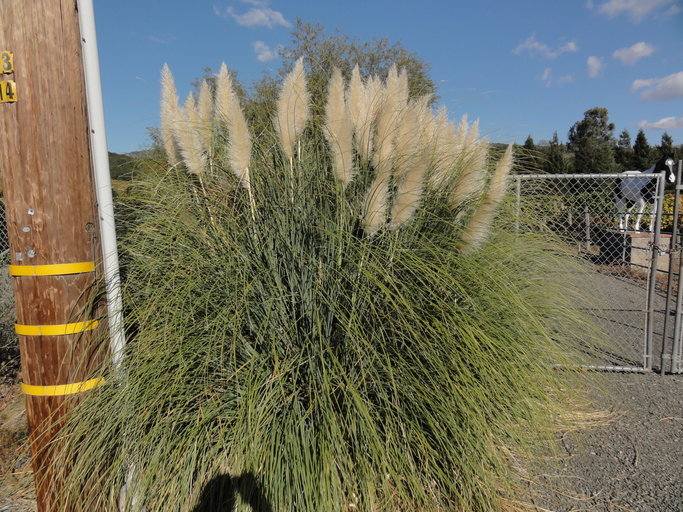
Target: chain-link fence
point(625, 280)
point(4, 239)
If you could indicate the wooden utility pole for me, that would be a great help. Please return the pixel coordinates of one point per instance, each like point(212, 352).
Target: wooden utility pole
point(52, 221)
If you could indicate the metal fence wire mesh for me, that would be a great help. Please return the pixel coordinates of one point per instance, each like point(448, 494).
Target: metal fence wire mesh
point(580, 211)
point(4, 239)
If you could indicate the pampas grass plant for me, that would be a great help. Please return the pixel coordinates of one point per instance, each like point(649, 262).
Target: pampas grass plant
point(307, 359)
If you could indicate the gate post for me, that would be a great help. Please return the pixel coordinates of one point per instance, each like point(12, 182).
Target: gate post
point(676, 347)
point(673, 249)
point(652, 278)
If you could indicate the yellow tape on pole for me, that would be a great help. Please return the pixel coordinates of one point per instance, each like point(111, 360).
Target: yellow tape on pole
point(55, 330)
point(63, 389)
point(52, 270)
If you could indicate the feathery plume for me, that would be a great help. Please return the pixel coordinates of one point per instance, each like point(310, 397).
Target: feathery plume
point(363, 101)
point(224, 96)
point(460, 136)
point(170, 112)
point(402, 90)
point(407, 139)
point(239, 144)
point(388, 119)
point(189, 138)
point(375, 205)
point(478, 228)
point(472, 134)
point(410, 168)
point(410, 192)
point(354, 97)
point(472, 177)
point(338, 128)
point(204, 114)
point(292, 108)
point(442, 142)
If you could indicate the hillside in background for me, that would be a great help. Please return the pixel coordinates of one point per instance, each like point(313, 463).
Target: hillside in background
point(121, 167)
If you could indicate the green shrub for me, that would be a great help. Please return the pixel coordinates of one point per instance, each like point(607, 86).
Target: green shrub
point(295, 355)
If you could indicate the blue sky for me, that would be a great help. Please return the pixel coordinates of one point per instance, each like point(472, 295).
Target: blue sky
point(522, 67)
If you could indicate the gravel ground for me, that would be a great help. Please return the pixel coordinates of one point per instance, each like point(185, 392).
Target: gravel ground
point(633, 462)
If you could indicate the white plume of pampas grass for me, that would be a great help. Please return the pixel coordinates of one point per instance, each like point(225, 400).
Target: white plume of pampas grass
point(224, 96)
point(229, 115)
point(409, 137)
point(460, 135)
point(411, 166)
point(239, 143)
point(363, 101)
point(472, 162)
point(338, 128)
point(388, 117)
point(443, 133)
point(205, 115)
point(479, 226)
point(170, 113)
point(189, 138)
point(402, 89)
point(354, 97)
point(292, 108)
point(375, 205)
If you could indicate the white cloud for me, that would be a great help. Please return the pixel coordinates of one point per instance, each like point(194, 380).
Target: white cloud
point(565, 79)
point(640, 83)
point(595, 65)
point(163, 39)
point(633, 54)
point(666, 123)
point(535, 47)
point(672, 11)
point(264, 52)
point(255, 17)
point(660, 89)
point(549, 80)
point(638, 10)
point(257, 3)
point(571, 46)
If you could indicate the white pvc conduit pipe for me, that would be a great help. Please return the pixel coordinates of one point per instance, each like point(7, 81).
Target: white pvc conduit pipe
point(100, 157)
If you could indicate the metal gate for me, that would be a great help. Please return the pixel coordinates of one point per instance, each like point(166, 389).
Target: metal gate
point(627, 270)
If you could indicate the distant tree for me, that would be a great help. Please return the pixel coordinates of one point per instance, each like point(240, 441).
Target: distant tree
point(556, 162)
point(623, 153)
point(592, 142)
point(529, 155)
point(642, 152)
point(323, 51)
point(666, 146)
point(121, 167)
point(624, 140)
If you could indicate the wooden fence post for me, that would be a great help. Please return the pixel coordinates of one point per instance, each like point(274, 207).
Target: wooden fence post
point(53, 228)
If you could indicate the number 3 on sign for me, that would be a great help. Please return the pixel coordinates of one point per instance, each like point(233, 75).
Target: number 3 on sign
point(6, 62)
point(8, 91)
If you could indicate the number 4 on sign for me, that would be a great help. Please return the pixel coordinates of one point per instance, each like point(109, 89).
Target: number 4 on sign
point(8, 91)
point(6, 62)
